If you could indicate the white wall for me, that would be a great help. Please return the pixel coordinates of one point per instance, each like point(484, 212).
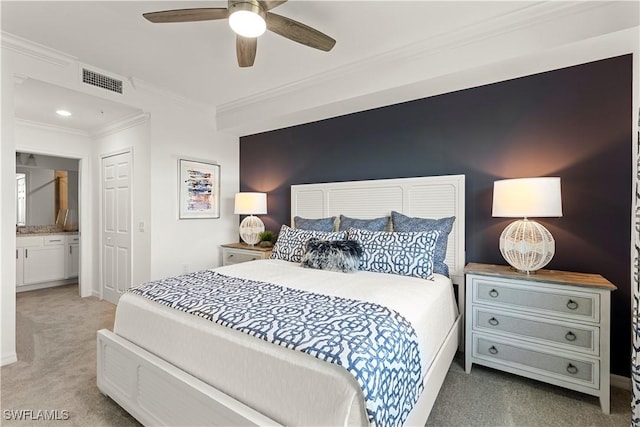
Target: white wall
point(7, 218)
point(176, 128)
point(133, 137)
point(179, 246)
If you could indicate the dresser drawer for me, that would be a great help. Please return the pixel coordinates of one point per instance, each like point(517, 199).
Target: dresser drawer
point(560, 334)
point(580, 371)
point(547, 300)
point(236, 257)
point(29, 241)
point(54, 240)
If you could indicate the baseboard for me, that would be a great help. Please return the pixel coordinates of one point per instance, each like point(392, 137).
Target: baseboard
point(8, 359)
point(36, 286)
point(95, 293)
point(618, 381)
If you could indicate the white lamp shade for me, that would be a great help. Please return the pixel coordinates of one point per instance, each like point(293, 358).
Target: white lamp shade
point(250, 203)
point(527, 197)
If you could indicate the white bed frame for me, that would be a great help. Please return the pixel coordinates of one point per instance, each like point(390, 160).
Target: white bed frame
point(158, 393)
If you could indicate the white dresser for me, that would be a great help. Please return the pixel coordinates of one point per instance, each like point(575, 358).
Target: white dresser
point(234, 253)
point(551, 326)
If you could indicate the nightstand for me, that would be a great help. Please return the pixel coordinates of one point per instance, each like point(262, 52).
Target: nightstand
point(235, 253)
point(551, 326)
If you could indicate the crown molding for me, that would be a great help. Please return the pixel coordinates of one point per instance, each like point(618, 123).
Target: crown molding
point(50, 55)
point(50, 127)
point(109, 129)
point(120, 125)
point(150, 88)
point(502, 25)
point(36, 50)
point(18, 79)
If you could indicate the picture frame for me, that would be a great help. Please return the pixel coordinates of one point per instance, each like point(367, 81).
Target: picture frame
point(198, 189)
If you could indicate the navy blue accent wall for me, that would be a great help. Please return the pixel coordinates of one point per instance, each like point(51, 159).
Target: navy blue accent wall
point(575, 123)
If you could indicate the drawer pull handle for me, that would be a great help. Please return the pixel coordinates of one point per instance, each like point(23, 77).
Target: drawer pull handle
point(572, 369)
point(570, 336)
point(572, 305)
point(494, 350)
point(493, 293)
point(493, 321)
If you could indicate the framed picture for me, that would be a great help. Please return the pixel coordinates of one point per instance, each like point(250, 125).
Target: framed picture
point(199, 189)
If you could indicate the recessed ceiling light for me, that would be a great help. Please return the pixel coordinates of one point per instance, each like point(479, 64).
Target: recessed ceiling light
point(63, 113)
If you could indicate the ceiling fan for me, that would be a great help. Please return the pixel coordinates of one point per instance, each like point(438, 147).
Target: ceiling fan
point(249, 19)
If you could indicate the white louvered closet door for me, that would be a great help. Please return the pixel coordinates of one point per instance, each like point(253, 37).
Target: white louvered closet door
point(116, 226)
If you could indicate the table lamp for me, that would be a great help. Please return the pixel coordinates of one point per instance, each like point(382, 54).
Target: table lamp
point(525, 244)
point(251, 203)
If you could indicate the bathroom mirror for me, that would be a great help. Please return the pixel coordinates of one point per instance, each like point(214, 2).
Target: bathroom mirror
point(46, 191)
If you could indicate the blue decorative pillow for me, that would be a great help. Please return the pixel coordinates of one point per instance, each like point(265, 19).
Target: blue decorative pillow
point(405, 223)
point(291, 242)
point(407, 254)
point(334, 255)
point(320, 224)
point(376, 224)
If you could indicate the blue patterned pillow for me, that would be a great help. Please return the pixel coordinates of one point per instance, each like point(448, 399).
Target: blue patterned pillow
point(319, 224)
point(376, 224)
point(405, 223)
point(291, 242)
point(407, 254)
point(333, 255)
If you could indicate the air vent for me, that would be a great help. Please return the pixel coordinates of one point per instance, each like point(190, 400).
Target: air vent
point(100, 80)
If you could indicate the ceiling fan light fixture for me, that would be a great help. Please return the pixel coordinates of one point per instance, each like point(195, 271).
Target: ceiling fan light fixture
point(247, 19)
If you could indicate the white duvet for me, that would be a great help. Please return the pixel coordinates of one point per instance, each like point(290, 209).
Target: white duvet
point(291, 387)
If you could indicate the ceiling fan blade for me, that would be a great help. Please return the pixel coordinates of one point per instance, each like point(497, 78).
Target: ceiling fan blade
point(271, 4)
point(186, 15)
point(246, 48)
point(299, 32)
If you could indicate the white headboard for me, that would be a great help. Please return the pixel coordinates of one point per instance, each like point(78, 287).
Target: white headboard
point(424, 197)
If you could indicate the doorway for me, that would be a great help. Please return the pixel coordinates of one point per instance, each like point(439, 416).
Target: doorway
point(47, 227)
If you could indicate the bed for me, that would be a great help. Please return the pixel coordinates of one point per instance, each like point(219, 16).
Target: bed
point(167, 367)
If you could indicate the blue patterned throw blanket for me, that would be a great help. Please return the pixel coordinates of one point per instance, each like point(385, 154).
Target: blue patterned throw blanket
point(374, 343)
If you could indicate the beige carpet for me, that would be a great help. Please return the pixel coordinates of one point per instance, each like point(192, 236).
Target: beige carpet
point(56, 368)
point(57, 362)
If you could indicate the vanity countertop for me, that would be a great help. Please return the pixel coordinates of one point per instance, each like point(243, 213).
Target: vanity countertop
point(43, 233)
point(41, 230)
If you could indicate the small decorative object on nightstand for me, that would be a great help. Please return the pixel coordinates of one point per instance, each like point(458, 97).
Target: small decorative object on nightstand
point(235, 253)
point(552, 326)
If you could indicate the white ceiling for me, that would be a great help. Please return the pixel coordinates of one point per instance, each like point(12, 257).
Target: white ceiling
point(38, 101)
point(197, 60)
